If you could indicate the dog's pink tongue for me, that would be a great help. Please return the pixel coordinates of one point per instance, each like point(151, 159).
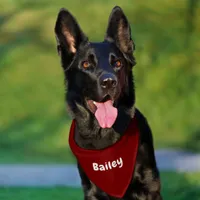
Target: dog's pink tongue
point(106, 114)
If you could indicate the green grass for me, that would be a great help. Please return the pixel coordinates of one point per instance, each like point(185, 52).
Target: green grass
point(180, 186)
point(34, 124)
point(175, 186)
point(40, 194)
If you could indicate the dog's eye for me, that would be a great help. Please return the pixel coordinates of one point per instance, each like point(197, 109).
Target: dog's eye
point(117, 64)
point(85, 64)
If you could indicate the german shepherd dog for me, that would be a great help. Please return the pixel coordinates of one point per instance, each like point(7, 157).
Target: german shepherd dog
point(100, 75)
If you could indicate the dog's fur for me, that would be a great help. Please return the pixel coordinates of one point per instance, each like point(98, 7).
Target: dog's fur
point(83, 84)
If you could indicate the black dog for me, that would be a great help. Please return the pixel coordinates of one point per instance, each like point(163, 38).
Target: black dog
point(99, 78)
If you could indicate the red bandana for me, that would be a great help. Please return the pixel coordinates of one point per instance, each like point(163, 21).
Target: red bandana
point(110, 169)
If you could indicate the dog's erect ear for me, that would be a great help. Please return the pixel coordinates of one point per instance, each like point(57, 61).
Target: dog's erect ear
point(68, 33)
point(119, 31)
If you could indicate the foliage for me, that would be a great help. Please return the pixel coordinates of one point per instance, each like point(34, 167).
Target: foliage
point(33, 121)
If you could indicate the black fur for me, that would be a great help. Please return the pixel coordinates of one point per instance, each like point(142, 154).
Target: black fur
point(83, 84)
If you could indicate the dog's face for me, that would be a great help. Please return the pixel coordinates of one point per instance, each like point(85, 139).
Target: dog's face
point(98, 75)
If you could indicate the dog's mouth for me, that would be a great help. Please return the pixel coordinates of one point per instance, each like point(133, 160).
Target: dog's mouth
point(104, 111)
point(92, 105)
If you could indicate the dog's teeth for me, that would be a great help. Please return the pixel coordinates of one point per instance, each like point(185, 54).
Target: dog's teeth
point(94, 102)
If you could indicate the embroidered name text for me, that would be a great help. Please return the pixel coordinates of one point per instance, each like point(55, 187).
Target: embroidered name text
point(108, 165)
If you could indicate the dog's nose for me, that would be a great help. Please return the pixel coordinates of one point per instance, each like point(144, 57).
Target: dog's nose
point(108, 81)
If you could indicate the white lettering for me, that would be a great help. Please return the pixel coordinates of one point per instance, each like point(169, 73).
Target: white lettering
point(114, 164)
point(102, 168)
point(120, 162)
point(95, 167)
point(108, 165)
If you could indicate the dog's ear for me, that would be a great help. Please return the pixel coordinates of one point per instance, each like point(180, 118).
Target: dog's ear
point(119, 32)
point(68, 34)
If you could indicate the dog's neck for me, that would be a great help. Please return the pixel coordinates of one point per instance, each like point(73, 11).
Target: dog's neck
point(89, 135)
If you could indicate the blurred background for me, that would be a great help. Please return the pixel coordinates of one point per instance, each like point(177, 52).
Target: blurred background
point(34, 124)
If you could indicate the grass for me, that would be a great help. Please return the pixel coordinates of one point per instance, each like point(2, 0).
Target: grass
point(34, 124)
point(176, 186)
point(40, 194)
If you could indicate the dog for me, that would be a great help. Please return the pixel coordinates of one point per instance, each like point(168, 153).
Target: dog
point(100, 95)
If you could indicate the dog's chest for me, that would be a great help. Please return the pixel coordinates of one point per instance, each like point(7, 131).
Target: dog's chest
point(99, 140)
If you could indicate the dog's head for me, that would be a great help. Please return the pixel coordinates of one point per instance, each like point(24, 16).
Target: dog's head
point(98, 75)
